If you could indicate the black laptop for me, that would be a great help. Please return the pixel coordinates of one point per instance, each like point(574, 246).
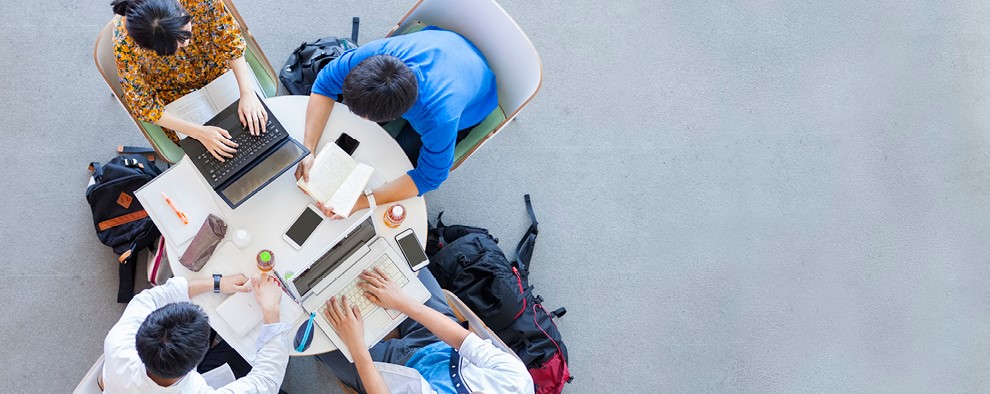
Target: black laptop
point(258, 161)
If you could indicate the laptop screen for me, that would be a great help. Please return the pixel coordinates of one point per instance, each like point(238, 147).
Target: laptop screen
point(266, 170)
point(332, 259)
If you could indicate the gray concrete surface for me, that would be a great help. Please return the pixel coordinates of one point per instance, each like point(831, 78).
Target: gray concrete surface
point(735, 196)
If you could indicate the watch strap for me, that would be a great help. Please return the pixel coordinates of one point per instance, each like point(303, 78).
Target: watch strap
point(371, 198)
point(216, 282)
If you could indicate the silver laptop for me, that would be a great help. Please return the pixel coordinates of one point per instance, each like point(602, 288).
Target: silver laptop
point(335, 273)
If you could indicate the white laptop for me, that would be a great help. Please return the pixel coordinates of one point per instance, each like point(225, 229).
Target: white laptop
point(336, 271)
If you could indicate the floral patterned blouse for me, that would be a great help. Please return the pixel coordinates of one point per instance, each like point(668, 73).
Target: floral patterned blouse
point(150, 81)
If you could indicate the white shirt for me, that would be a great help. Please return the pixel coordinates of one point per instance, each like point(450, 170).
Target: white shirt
point(123, 371)
point(483, 367)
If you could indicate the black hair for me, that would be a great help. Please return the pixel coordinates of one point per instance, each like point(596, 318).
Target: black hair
point(155, 24)
point(173, 339)
point(380, 88)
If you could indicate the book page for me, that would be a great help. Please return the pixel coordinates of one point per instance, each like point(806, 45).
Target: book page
point(330, 170)
point(224, 90)
point(195, 107)
point(202, 105)
point(347, 194)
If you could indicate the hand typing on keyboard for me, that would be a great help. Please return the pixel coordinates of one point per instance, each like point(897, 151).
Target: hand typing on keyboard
point(382, 290)
point(216, 140)
point(346, 321)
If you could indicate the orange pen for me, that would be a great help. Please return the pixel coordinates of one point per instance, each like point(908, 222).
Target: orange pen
point(178, 213)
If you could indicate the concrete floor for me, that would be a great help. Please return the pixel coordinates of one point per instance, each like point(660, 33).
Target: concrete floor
point(734, 196)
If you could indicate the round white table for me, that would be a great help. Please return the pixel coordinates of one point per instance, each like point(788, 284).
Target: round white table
point(268, 214)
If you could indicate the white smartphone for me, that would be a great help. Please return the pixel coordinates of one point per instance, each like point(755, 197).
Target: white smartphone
point(409, 245)
point(303, 227)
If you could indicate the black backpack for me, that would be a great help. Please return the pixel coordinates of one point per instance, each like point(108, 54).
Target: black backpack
point(304, 63)
point(120, 220)
point(467, 261)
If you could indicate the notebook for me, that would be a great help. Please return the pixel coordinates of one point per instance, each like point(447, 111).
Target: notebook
point(189, 194)
point(202, 104)
point(336, 179)
point(241, 311)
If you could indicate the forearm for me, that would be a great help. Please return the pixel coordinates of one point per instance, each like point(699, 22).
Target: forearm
point(439, 324)
point(183, 126)
point(398, 189)
point(318, 111)
point(242, 72)
point(199, 286)
point(268, 367)
point(370, 377)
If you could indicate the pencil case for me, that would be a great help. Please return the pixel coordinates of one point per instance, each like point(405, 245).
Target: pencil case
point(204, 243)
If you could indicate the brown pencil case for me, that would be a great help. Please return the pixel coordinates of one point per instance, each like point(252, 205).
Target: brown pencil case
point(204, 243)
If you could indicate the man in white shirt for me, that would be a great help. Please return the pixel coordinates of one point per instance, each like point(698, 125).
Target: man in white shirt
point(162, 337)
point(433, 353)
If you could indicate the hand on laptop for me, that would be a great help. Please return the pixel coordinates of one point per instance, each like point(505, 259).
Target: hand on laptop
point(252, 113)
point(382, 291)
point(217, 142)
point(268, 294)
point(346, 321)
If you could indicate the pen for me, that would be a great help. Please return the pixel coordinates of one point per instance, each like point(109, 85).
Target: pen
point(178, 213)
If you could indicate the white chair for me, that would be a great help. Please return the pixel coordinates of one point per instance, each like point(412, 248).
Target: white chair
point(166, 149)
point(509, 52)
point(90, 383)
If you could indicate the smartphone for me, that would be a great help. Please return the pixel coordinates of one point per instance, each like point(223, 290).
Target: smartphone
point(347, 143)
point(303, 227)
point(409, 245)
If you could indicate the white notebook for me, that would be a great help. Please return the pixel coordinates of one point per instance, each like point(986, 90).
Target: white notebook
point(336, 179)
point(241, 311)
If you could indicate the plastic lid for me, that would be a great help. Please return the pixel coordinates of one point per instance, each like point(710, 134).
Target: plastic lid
point(266, 256)
point(397, 211)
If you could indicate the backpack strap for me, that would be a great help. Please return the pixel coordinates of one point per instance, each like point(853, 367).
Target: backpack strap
point(123, 149)
point(533, 224)
point(355, 25)
point(126, 275)
point(524, 250)
point(441, 228)
point(137, 150)
point(97, 170)
point(544, 331)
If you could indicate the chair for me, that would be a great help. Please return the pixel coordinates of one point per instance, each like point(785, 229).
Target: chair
point(166, 149)
point(475, 325)
point(510, 54)
point(90, 383)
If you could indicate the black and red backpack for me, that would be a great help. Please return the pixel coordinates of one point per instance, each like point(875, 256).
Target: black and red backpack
point(468, 261)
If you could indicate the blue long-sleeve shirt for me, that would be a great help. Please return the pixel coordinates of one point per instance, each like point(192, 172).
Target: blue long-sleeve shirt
point(456, 90)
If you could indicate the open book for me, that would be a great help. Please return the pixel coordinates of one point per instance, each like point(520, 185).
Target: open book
point(336, 179)
point(202, 105)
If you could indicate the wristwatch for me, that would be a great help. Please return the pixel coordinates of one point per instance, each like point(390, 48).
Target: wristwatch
point(216, 282)
point(371, 198)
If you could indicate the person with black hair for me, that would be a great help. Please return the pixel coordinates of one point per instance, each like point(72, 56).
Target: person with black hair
point(435, 79)
point(432, 353)
point(165, 49)
point(163, 342)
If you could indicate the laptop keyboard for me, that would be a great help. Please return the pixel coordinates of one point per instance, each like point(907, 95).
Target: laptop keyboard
point(355, 295)
point(248, 148)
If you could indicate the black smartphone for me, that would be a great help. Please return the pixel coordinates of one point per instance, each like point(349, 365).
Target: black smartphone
point(347, 143)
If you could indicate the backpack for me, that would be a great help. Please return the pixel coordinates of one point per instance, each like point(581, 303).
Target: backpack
point(468, 262)
point(120, 221)
point(305, 63)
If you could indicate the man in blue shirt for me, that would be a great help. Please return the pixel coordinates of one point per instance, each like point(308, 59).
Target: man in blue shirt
point(435, 79)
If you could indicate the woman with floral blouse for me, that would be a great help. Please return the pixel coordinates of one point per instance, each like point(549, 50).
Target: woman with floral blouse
point(165, 49)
